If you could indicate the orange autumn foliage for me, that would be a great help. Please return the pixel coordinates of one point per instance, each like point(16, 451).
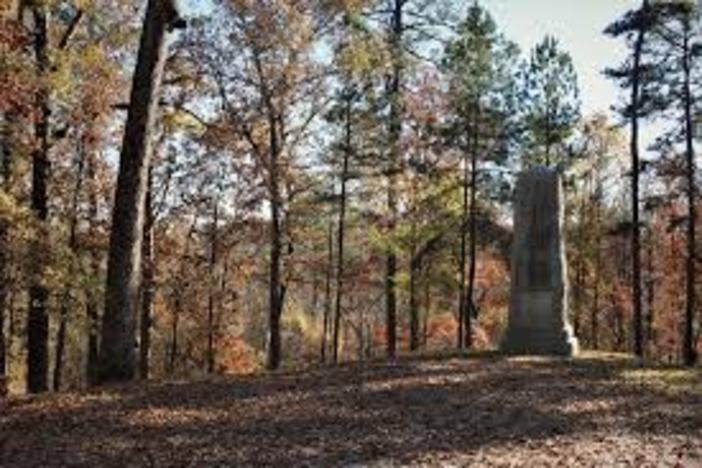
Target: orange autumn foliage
point(236, 357)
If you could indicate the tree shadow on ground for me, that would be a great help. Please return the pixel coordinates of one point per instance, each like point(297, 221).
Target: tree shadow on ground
point(417, 409)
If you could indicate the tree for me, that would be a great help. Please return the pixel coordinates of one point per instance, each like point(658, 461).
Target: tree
point(479, 65)
point(73, 249)
point(354, 62)
point(675, 38)
point(344, 177)
point(38, 319)
point(327, 314)
point(148, 280)
point(408, 23)
point(598, 146)
point(552, 102)
point(269, 84)
point(691, 52)
point(397, 28)
point(11, 98)
point(117, 357)
point(635, 26)
point(427, 220)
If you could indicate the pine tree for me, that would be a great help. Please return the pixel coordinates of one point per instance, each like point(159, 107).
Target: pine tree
point(679, 49)
point(480, 68)
point(635, 27)
point(551, 100)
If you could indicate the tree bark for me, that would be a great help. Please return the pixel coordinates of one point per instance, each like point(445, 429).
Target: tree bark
point(650, 293)
point(595, 312)
point(38, 318)
point(427, 307)
point(414, 306)
point(462, 261)
point(276, 241)
point(92, 298)
point(395, 134)
point(341, 231)
point(416, 262)
point(689, 352)
point(470, 311)
point(6, 153)
point(3, 302)
point(635, 166)
point(148, 282)
point(117, 356)
point(73, 248)
point(4, 285)
point(5, 259)
point(327, 292)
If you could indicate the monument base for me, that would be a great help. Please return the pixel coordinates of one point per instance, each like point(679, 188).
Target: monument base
point(540, 343)
point(538, 327)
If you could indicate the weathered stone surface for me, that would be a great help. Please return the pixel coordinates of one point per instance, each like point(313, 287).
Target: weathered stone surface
point(538, 312)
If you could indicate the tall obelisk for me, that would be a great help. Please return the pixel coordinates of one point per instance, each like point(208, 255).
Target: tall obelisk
point(538, 310)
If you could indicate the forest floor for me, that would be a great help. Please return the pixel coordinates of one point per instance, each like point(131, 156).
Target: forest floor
point(597, 410)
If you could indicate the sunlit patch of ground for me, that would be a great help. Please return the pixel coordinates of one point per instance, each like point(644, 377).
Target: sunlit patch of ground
point(485, 410)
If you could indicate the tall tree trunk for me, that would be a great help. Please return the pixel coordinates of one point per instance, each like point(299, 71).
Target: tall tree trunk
point(462, 298)
point(148, 281)
point(579, 294)
point(635, 167)
point(327, 292)
point(390, 293)
point(3, 301)
point(4, 281)
point(6, 153)
point(395, 134)
point(61, 340)
point(473, 222)
point(276, 284)
point(416, 262)
point(549, 133)
point(595, 312)
point(211, 298)
point(341, 230)
point(92, 297)
point(650, 293)
point(689, 352)
point(73, 248)
point(414, 305)
point(315, 292)
point(427, 307)
point(38, 319)
point(117, 356)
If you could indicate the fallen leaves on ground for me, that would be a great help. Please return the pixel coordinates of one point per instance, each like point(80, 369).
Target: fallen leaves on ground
point(445, 411)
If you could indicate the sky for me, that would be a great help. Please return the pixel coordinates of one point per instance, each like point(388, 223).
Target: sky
point(578, 24)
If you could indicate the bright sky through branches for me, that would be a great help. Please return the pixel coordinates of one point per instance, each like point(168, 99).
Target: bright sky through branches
point(578, 24)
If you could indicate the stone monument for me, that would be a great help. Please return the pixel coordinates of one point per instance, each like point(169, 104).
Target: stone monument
point(538, 309)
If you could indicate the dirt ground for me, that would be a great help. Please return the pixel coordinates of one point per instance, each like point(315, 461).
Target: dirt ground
point(597, 410)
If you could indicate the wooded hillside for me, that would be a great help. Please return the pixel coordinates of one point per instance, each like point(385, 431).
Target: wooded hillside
point(223, 188)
